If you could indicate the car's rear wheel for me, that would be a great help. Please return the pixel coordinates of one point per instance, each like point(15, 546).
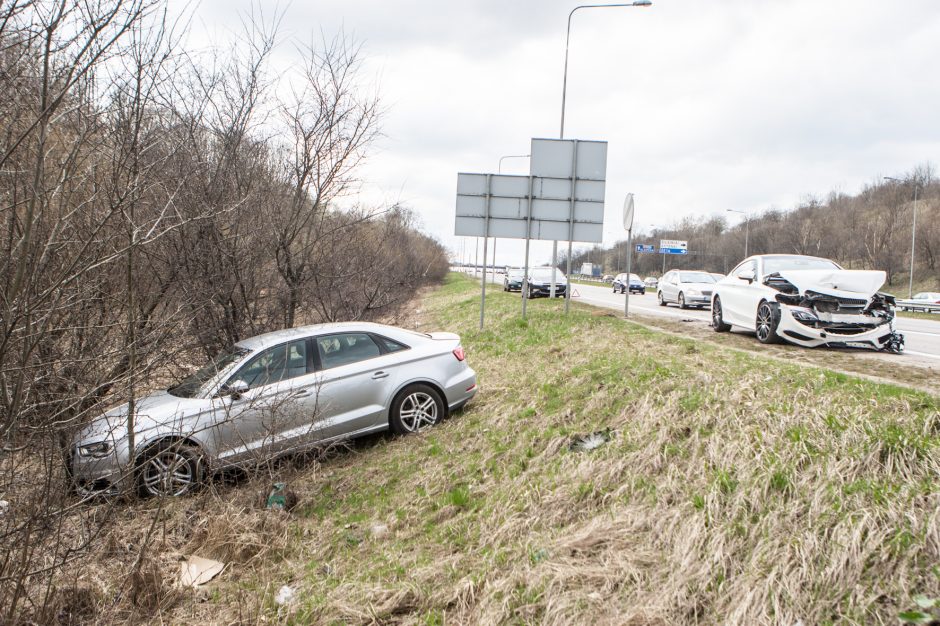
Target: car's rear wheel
point(662, 300)
point(717, 322)
point(170, 468)
point(416, 408)
point(768, 317)
point(682, 304)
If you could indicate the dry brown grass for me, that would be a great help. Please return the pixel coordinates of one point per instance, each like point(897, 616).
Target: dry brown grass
point(735, 490)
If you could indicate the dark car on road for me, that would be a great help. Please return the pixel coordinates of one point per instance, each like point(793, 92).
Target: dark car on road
point(540, 282)
point(634, 284)
point(512, 281)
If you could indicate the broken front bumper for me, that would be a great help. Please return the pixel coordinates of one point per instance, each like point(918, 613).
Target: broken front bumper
point(837, 331)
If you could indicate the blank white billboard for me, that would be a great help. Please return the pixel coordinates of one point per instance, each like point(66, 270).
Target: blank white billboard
point(507, 200)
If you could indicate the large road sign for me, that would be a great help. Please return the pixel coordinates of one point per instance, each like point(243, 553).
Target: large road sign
point(673, 246)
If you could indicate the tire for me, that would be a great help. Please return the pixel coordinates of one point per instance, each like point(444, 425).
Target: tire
point(768, 317)
point(662, 300)
point(718, 323)
point(169, 468)
point(415, 408)
point(682, 304)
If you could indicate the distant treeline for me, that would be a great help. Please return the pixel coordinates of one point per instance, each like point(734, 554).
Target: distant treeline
point(869, 230)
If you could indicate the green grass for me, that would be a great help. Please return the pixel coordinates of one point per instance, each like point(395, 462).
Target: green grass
point(732, 488)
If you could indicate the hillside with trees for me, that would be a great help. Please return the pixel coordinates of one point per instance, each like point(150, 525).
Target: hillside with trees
point(867, 230)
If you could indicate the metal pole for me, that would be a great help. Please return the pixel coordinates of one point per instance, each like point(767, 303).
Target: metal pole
point(486, 235)
point(528, 233)
point(626, 300)
point(574, 183)
point(561, 130)
point(747, 232)
point(910, 288)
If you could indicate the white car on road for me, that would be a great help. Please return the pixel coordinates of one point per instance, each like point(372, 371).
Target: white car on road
point(808, 301)
point(685, 288)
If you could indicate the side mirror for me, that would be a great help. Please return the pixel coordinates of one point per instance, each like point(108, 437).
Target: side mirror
point(747, 275)
point(235, 390)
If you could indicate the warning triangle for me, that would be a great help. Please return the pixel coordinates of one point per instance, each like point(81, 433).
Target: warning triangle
point(575, 294)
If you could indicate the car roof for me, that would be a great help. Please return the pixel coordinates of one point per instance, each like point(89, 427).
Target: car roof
point(273, 338)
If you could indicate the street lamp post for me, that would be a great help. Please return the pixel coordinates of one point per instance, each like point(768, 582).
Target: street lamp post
point(561, 132)
point(747, 228)
point(910, 284)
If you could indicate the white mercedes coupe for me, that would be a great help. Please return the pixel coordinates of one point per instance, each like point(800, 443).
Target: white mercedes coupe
point(808, 301)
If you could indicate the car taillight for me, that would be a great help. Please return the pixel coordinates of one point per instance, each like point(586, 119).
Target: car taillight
point(459, 353)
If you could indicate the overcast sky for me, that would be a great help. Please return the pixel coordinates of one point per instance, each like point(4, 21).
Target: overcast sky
point(707, 106)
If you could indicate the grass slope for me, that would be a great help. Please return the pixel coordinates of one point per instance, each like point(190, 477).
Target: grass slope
point(734, 490)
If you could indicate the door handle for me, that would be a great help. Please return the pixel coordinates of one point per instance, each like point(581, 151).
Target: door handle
point(301, 394)
point(379, 375)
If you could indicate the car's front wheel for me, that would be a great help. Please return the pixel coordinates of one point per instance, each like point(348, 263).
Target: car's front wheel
point(662, 300)
point(170, 468)
point(768, 317)
point(682, 304)
point(416, 408)
point(718, 324)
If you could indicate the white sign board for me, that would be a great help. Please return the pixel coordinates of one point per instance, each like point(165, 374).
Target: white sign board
point(673, 246)
point(558, 205)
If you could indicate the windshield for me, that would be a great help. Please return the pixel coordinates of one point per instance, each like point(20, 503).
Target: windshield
point(514, 274)
point(191, 385)
point(546, 275)
point(636, 278)
point(695, 277)
point(774, 264)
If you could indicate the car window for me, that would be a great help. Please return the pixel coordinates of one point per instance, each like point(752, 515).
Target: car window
point(744, 267)
point(391, 345)
point(773, 264)
point(696, 277)
point(346, 348)
point(288, 360)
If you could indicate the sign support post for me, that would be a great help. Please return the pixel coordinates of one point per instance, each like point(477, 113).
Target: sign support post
point(486, 235)
point(528, 237)
point(628, 224)
point(574, 185)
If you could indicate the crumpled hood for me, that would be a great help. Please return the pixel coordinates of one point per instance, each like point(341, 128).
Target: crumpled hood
point(840, 283)
point(153, 410)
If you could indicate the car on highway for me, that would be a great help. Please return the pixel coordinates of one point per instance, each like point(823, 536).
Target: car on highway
point(926, 301)
point(808, 301)
point(687, 288)
point(651, 282)
point(607, 278)
point(540, 281)
point(636, 285)
point(513, 279)
point(273, 394)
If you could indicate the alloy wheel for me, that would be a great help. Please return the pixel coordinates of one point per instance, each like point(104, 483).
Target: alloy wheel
point(764, 322)
point(168, 473)
point(418, 411)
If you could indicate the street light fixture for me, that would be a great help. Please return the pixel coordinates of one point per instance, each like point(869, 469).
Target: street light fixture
point(561, 132)
point(910, 285)
point(747, 228)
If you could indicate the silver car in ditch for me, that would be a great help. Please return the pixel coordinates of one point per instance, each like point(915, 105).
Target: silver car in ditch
point(272, 394)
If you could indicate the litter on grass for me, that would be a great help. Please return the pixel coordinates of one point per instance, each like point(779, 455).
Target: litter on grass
point(586, 443)
point(195, 571)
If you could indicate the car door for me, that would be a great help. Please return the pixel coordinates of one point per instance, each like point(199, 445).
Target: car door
point(356, 375)
point(736, 294)
point(257, 421)
point(668, 287)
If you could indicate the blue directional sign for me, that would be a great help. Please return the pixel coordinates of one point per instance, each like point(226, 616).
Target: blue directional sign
point(673, 246)
point(643, 248)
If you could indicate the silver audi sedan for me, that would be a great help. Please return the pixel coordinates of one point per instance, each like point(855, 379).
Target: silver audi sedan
point(272, 394)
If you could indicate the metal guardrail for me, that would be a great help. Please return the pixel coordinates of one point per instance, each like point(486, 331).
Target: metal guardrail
point(926, 307)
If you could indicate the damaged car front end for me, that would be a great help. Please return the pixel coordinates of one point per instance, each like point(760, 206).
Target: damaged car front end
point(810, 302)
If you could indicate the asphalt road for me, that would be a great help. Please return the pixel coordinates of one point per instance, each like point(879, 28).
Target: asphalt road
point(921, 337)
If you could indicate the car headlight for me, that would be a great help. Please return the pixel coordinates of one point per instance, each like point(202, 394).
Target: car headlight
point(694, 292)
point(803, 315)
point(97, 450)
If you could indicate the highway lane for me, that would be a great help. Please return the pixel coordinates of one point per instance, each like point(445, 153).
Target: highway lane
point(921, 337)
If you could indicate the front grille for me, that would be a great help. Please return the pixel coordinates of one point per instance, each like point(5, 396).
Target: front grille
point(834, 304)
point(707, 292)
